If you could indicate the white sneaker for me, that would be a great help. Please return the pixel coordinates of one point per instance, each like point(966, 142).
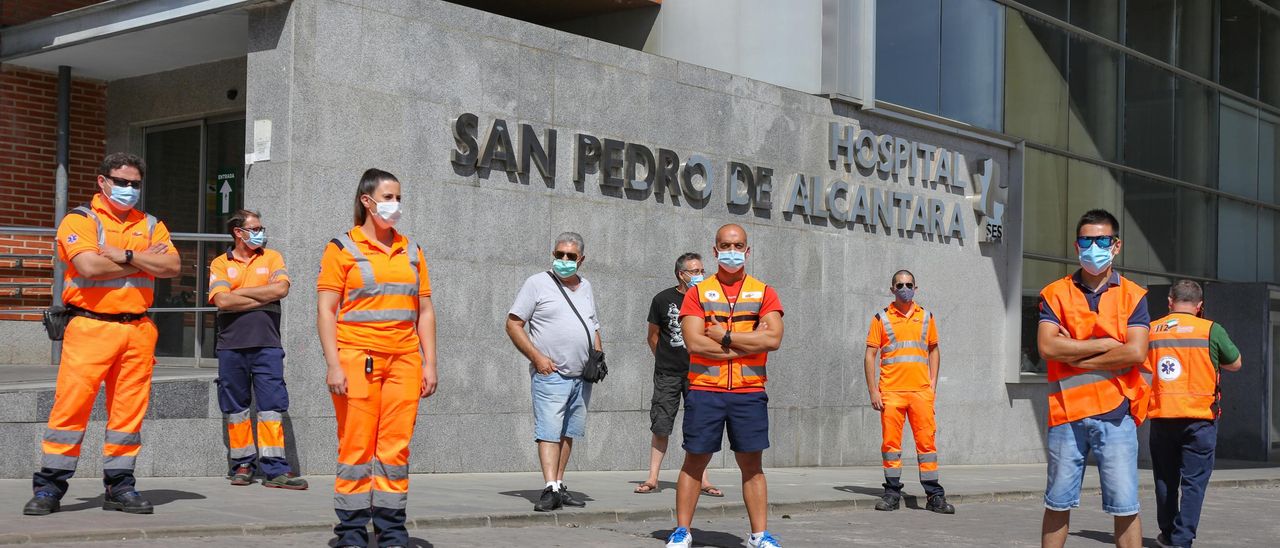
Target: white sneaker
point(766, 540)
point(680, 538)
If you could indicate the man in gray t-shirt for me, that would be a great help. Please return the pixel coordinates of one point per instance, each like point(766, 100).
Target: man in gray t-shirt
point(556, 345)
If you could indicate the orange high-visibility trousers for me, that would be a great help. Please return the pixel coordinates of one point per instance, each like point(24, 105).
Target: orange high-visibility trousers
point(93, 352)
point(899, 407)
point(375, 423)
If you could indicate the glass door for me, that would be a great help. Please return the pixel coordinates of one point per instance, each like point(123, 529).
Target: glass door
point(195, 182)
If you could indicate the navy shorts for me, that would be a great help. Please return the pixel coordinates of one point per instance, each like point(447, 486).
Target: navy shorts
point(707, 414)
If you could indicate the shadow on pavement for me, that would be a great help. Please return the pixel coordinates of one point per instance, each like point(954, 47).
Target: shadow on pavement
point(1107, 537)
point(706, 538)
point(157, 497)
point(532, 495)
point(910, 501)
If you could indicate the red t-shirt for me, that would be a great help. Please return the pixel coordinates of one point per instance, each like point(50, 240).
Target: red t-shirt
point(693, 307)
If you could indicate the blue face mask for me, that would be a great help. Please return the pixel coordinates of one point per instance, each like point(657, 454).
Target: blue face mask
point(125, 196)
point(256, 239)
point(695, 279)
point(731, 261)
point(1095, 259)
point(564, 268)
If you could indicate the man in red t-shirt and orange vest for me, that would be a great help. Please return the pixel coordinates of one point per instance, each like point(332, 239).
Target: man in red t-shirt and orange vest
point(730, 322)
point(1093, 334)
point(1186, 354)
point(903, 340)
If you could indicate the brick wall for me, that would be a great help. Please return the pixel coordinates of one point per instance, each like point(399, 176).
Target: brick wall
point(28, 142)
point(17, 12)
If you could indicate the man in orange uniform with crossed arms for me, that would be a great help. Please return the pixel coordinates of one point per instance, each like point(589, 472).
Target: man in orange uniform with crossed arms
point(113, 254)
point(903, 338)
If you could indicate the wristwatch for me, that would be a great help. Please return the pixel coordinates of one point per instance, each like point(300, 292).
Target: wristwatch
point(726, 339)
point(128, 256)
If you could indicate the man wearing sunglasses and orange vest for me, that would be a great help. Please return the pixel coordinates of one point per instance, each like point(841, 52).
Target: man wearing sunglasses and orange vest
point(1093, 334)
point(114, 253)
point(903, 338)
point(1187, 352)
point(730, 322)
point(246, 284)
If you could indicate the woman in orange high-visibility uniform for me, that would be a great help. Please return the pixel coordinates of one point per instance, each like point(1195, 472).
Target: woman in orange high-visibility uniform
point(378, 331)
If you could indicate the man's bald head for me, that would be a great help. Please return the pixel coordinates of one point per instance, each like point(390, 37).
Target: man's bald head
point(731, 233)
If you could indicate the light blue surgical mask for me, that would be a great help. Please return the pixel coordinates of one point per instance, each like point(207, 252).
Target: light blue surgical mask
point(731, 261)
point(1095, 259)
point(564, 268)
point(125, 196)
point(695, 279)
point(256, 239)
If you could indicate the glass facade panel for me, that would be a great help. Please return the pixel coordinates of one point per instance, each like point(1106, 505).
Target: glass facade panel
point(1148, 117)
point(1270, 53)
point(1268, 258)
point(1195, 37)
point(1095, 99)
point(1150, 27)
point(1101, 17)
point(1237, 241)
point(1195, 145)
point(1036, 94)
point(1090, 186)
point(1165, 227)
point(1238, 52)
point(908, 57)
point(1044, 193)
point(972, 68)
point(1238, 150)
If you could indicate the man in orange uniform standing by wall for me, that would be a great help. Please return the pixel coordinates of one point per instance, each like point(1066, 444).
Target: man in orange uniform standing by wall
point(113, 254)
point(1186, 353)
point(903, 338)
point(246, 284)
point(1093, 334)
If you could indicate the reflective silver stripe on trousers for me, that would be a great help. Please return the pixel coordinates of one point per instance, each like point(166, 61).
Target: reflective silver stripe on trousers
point(905, 344)
point(220, 283)
point(904, 359)
point(118, 283)
point(354, 472)
point(1087, 377)
point(118, 463)
point(58, 462)
point(242, 452)
point(893, 472)
point(123, 438)
point(357, 501)
point(1179, 343)
point(389, 315)
point(394, 501)
point(754, 370)
point(272, 416)
point(895, 455)
point(929, 476)
point(67, 437)
point(391, 472)
point(699, 369)
point(271, 451)
point(238, 417)
point(927, 457)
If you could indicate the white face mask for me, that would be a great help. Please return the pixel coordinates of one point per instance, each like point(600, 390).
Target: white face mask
point(389, 211)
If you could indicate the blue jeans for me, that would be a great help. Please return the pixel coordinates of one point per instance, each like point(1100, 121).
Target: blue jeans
point(559, 406)
point(1182, 454)
point(254, 375)
point(1114, 444)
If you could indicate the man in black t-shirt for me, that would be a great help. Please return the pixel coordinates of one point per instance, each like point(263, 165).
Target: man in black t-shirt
point(670, 367)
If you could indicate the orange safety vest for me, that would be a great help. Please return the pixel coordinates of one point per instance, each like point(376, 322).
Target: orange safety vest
point(379, 302)
point(1185, 383)
point(904, 361)
point(747, 372)
point(1075, 393)
point(133, 293)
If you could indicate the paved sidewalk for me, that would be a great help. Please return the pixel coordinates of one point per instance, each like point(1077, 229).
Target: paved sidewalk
point(210, 506)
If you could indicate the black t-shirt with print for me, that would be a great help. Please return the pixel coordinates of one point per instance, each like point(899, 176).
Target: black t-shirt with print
point(671, 357)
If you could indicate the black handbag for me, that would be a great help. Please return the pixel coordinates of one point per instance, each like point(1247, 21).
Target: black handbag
point(595, 370)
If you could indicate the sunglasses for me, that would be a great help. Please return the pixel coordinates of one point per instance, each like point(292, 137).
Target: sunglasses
point(1103, 241)
point(907, 285)
point(122, 182)
point(564, 255)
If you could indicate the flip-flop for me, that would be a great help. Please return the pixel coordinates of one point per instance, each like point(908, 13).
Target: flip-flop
point(646, 488)
point(712, 491)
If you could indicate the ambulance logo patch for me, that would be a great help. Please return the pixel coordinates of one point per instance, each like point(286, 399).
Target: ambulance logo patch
point(753, 295)
point(262, 270)
point(1169, 368)
point(712, 295)
point(231, 272)
point(72, 239)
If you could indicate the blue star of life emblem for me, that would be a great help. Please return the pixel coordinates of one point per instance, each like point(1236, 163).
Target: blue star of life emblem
point(71, 239)
point(1166, 368)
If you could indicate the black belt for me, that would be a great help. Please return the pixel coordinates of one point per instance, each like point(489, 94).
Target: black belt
point(118, 318)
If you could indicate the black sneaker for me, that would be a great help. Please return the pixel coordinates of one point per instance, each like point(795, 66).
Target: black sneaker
point(550, 500)
point(129, 503)
point(1163, 541)
point(888, 502)
point(939, 504)
point(567, 499)
point(42, 504)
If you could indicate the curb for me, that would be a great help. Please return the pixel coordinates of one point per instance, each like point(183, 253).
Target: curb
point(527, 519)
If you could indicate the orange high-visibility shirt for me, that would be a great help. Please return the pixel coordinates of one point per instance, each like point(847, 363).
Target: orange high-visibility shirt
point(79, 232)
point(911, 370)
point(360, 306)
point(227, 273)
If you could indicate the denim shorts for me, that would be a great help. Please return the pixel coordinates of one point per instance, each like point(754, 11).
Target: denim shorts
point(559, 406)
point(1114, 444)
point(707, 414)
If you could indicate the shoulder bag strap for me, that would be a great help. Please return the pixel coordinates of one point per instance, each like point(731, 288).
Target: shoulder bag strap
point(590, 342)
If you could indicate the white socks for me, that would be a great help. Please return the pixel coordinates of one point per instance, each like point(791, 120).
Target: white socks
point(554, 485)
point(756, 536)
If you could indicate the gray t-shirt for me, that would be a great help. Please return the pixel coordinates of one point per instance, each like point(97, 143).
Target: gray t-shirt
point(553, 328)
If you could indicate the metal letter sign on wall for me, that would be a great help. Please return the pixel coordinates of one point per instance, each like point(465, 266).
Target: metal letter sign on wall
point(879, 161)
